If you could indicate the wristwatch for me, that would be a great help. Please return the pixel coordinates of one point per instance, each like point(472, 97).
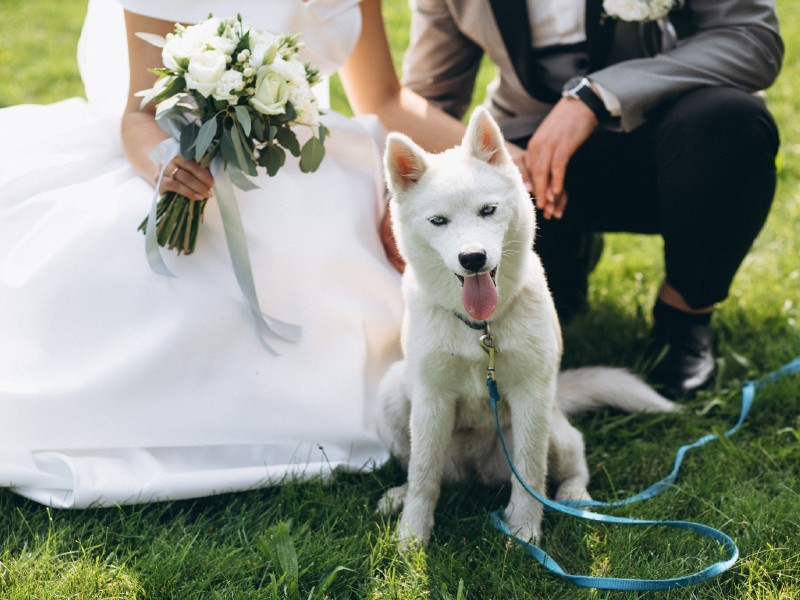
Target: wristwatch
point(580, 88)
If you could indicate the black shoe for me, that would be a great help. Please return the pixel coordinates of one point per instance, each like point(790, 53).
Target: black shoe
point(683, 344)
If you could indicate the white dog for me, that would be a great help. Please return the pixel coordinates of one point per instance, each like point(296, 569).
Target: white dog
point(465, 226)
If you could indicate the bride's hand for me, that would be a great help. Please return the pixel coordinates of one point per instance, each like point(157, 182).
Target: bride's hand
point(187, 178)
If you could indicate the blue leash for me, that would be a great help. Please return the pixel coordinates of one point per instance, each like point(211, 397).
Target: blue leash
point(748, 396)
point(572, 508)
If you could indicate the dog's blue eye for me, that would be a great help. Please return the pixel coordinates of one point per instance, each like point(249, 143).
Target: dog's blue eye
point(438, 220)
point(488, 210)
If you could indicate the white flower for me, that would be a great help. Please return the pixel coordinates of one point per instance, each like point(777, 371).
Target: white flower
point(307, 109)
point(271, 92)
point(228, 85)
point(638, 10)
point(179, 49)
point(204, 72)
point(225, 45)
point(263, 48)
point(292, 71)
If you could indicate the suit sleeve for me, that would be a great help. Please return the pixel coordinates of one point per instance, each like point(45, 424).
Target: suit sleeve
point(441, 63)
point(733, 43)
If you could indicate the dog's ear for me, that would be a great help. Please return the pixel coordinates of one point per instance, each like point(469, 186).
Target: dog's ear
point(405, 162)
point(484, 138)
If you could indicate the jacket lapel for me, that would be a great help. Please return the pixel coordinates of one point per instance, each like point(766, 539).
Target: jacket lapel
point(512, 20)
point(599, 34)
point(514, 25)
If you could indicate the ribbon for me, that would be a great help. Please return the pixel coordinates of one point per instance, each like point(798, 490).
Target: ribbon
point(240, 257)
point(268, 327)
point(161, 154)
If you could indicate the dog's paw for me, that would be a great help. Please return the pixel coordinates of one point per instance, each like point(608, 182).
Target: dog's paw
point(572, 491)
point(408, 540)
point(526, 533)
point(528, 530)
point(392, 501)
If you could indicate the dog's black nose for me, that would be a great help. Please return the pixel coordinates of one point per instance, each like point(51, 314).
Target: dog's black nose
point(473, 260)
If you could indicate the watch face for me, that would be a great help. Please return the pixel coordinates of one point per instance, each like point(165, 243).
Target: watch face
point(573, 82)
point(573, 85)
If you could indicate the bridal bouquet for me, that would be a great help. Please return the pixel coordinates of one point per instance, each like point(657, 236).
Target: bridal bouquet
point(638, 10)
point(231, 91)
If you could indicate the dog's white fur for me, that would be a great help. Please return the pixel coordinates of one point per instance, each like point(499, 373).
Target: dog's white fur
point(436, 416)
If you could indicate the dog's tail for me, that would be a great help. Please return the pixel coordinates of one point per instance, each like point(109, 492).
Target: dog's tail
point(590, 388)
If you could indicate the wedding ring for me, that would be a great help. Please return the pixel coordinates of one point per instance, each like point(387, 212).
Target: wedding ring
point(175, 170)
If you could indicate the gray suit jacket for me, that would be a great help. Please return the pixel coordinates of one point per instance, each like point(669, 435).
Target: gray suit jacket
point(720, 42)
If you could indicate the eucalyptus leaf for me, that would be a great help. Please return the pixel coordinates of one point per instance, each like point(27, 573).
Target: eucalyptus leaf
point(311, 155)
point(243, 117)
point(228, 150)
point(213, 149)
point(243, 153)
point(258, 129)
point(173, 88)
point(287, 138)
point(272, 158)
point(204, 138)
point(188, 139)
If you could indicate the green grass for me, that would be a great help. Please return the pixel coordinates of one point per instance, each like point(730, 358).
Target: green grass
point(313, 540)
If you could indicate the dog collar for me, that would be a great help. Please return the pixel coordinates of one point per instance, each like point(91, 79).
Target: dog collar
point(472, 324)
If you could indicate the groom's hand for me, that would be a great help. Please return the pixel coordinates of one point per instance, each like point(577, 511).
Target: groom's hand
point(568, 125)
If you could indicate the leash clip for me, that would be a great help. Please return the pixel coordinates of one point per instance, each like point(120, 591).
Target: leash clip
point(487, 343)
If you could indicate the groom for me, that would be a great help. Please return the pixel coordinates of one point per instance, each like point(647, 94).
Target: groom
point(648, 127)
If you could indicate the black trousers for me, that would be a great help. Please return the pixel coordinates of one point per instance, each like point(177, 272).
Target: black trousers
point(701, 174)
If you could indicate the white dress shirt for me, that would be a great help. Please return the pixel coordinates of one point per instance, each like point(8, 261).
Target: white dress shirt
point(557, 22)
point(562, 22)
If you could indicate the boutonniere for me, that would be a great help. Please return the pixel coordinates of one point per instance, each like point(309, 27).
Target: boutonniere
point(639, 10)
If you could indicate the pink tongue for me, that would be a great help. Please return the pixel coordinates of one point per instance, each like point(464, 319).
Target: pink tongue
point(479, 296)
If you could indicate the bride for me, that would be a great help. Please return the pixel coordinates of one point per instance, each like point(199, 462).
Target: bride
point(118, 385)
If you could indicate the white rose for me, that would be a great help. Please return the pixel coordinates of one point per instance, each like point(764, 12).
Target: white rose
point(271, 92)
point(225, 45)
point(207, 29)
point(264, 52)
point(661, 8)
point(638, 10)
point(227, 86)
point(307, 111)
point(180, 48)
point(204, 72)
point(292, 71)
point(627, 10)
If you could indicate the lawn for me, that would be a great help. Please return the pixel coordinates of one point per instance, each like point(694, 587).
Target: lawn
point(313, 540)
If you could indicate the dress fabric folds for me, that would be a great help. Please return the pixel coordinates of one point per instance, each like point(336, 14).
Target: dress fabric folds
point(118, 385)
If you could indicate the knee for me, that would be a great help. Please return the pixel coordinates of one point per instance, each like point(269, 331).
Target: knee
point(723, 125)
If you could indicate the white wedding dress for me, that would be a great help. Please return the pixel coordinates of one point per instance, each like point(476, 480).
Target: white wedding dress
point(118, 385)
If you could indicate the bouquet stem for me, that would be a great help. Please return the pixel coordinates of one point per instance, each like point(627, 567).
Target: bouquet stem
point(177, 222)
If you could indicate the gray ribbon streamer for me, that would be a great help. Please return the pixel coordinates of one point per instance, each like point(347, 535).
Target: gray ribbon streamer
point(268, 327)
point(161, 154)
point(240, 257)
